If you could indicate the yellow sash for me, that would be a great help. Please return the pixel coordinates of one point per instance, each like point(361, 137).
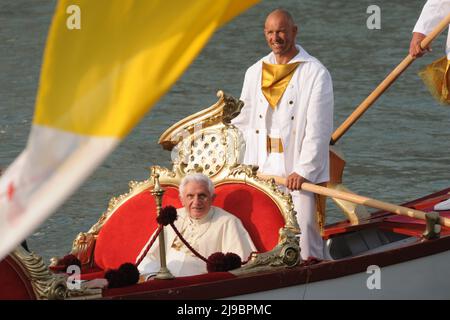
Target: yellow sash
point(436, 77)
point(275, 79)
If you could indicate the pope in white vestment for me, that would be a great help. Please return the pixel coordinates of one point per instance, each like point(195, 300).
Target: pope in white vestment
point(218, 231)
point(206, 228)
point(287, 131)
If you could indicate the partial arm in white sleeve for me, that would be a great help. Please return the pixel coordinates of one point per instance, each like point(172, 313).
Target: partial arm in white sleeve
point(432, 13)
point(314, 156)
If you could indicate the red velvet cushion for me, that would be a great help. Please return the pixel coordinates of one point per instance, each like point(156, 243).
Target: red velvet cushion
point(257, 211)
point(14, 285)
point(154, 285)
point(124, 235)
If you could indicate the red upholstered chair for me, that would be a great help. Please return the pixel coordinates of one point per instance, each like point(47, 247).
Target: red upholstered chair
point(125, 229)
point(130, 225)
point(260, 214)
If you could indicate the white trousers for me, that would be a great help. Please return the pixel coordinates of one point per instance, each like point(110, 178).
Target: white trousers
point(311, 242)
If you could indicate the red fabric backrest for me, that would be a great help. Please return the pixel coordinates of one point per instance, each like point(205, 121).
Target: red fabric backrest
point(14, 284)
point(258, 212)
point(126, 232)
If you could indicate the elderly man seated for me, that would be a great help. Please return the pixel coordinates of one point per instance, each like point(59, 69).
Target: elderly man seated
point(206, 228)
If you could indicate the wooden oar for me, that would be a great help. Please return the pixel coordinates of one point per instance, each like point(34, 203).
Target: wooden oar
point(359, 111)
point(365, 201)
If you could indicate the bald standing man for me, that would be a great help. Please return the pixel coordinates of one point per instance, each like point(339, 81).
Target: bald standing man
point(287, 121)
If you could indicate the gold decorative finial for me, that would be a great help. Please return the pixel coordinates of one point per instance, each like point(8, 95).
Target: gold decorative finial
point(158, 193)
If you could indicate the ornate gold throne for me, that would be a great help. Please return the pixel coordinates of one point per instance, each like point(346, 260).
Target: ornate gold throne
point(204, 142)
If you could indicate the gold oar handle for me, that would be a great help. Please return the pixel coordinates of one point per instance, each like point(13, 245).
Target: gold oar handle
point(386, 83)
point(365, 201)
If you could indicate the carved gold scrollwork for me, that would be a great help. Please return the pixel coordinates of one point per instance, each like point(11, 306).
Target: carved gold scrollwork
point(47, 285)
point(231, 109)
point(83, 247)
point(285, 254)
point(222, 112)
point(290, 255)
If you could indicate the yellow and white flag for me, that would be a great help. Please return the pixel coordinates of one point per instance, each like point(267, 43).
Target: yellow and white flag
point(105, 65)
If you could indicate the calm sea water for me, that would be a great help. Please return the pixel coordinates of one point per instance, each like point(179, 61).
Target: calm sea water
point(398, 151)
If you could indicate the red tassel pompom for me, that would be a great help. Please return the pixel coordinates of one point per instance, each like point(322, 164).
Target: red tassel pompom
point(216, 262)
point(233, 261)
point(219, 262)
point(167, 215)
point(126, 275)
point(130, 271)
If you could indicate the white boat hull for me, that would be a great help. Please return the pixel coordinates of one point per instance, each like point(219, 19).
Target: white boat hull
point(423, 278)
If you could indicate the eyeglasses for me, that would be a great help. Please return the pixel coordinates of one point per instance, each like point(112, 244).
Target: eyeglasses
point(200, 197)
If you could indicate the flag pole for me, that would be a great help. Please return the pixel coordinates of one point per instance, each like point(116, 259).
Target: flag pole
point(158, 192)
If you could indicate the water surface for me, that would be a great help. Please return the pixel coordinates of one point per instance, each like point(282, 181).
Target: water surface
point(398, 151)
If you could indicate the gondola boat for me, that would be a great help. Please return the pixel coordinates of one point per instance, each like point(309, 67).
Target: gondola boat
point(380, 255)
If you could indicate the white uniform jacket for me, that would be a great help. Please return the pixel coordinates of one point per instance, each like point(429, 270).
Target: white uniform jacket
point(432, 13)
point(307, 125)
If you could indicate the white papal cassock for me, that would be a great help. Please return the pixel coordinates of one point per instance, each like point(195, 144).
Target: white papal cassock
point(303, 120)
point(218, 231)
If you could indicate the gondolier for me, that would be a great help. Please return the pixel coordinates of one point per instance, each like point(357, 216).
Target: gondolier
point(287, 121)
point(436, 76)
